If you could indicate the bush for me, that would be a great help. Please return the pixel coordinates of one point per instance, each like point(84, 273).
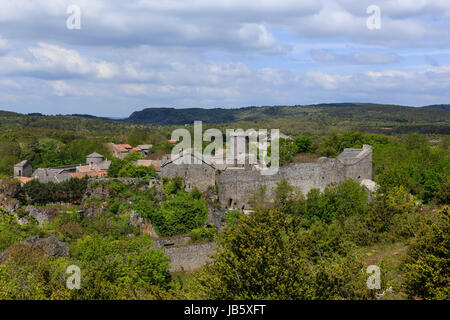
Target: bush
point(180, 214)
point(426, 266)
point(232, 217)
point(202, 234)
point(70, 191)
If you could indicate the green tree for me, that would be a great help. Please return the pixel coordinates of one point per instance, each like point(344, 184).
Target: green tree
point(303, 144)
point(426, 266)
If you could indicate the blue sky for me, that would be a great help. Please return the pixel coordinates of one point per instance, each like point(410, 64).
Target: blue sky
point(129, 55)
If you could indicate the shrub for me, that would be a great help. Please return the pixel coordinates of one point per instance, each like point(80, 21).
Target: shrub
point(201, 234)
point(71, 191)
point(426, 266)
point(180, 214)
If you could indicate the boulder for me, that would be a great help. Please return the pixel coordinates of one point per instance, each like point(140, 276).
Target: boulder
point(50, 246)
point(41, 215)
point(145, 226)
point(9, 194)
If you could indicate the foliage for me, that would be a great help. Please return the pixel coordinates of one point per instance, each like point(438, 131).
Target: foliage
point(232, 217)
point(426, 266)
point(202, 234)
point(303, 144)
point(132, 171)
point(180, 214)
point(70, 191)
point(337, 201)
point(260, 258)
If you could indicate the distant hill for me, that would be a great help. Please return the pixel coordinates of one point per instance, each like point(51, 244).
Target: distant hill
point(340, 111)
point(317, 118)
point(439, 106)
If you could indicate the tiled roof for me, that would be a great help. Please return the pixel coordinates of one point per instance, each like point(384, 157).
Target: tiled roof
point(122, 147)
point(92, 174)
point(95, 155)
point(24, 179)
point(87, 168)
point(145, 146)
point(147, 163)
point(21, 163)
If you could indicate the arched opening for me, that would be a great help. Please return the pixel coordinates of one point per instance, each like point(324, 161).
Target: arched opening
point(230, 202)
point(20, 173)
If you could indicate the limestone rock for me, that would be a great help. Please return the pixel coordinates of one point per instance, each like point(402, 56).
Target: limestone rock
point(50, 246)
point(136, 220)
point(369, 185)
point(41, 215)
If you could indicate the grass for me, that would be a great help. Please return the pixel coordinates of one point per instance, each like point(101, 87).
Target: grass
point(389, 258)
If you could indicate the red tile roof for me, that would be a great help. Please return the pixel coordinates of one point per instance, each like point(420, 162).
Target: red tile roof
point(92, 174)
point(24, 179)
point(87, 168)
point(147, 163)
point(122, 147)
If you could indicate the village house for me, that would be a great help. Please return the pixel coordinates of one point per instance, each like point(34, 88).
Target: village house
point(96, 166)
point(147, 163)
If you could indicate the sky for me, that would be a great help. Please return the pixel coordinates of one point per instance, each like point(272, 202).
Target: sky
point(125, 56)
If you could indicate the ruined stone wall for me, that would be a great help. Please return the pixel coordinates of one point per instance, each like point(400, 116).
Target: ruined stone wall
point(359, 168)
point(235, 185)
point(195, 175)
point(189, 257)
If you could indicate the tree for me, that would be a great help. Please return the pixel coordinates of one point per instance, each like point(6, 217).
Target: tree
point(262, 258)
point(258, 198)
point(180, 214)
point(132, 171)
point(426, 266)
point(303, 144)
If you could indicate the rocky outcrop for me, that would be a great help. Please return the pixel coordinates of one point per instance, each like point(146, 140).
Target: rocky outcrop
point(145, 226)
point(216, 212)
point(92, 210)
point(41, 215)
point(50, 246)
point(9, 194)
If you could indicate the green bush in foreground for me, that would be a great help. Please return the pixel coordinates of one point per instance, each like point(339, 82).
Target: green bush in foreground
point(427, 264)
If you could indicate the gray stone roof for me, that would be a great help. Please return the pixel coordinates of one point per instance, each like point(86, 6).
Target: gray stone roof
point(145, 146)
point(95, 155)
point(349, 153)
point(21, 163)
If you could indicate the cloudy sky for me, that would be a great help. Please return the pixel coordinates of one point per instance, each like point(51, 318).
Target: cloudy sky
point(128, 55)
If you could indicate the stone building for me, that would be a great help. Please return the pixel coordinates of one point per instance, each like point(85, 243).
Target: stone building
point(97, 162)
point(23, 169)
point(197, 171)
point(96, 166)
point(235, 183)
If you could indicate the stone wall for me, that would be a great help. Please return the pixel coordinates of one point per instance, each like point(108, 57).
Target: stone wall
point(195, 175)
point(236, 184)
point(189, 257)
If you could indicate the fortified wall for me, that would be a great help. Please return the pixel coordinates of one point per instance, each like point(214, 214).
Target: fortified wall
point(235, 184)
